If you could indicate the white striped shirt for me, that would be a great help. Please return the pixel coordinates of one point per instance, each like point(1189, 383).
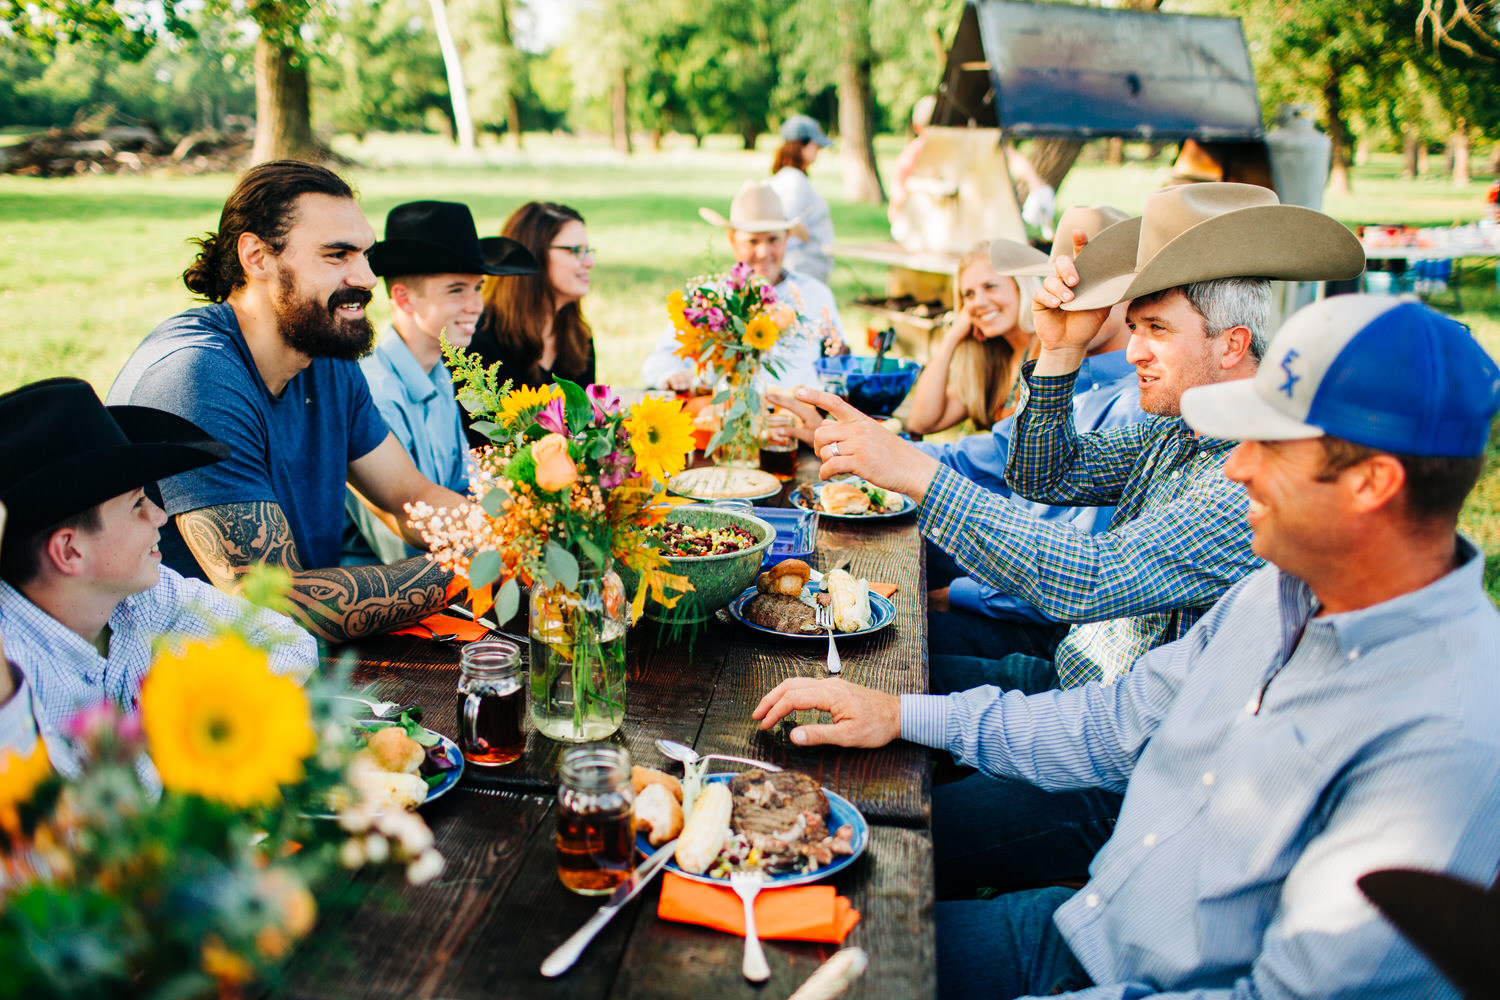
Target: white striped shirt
point(64, 673)
point(1268, 758)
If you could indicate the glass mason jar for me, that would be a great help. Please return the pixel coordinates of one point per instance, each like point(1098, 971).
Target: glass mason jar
point(491, 703)
point(578, 655)
point(595, 841)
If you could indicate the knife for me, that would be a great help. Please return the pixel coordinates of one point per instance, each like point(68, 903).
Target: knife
point(567, 953)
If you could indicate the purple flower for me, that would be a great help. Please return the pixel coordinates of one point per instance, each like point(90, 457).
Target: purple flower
point(604, 400)
point(716, 319)
point(554, 417)
point(615, 469)
point(738, 275)
point(92, 723)
point(768, 296)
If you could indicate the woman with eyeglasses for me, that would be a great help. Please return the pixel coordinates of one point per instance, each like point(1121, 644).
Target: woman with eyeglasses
point(533, 324)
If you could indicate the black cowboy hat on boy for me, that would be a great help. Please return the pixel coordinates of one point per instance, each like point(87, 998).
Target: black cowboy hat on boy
point(438, 237)
point(62, 451)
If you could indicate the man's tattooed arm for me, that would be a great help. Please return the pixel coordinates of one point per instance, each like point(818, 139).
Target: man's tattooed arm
point(338, 603)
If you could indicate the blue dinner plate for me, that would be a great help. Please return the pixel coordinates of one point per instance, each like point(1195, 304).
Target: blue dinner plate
point(843, 813)
point(882, 613)
point(907, 504)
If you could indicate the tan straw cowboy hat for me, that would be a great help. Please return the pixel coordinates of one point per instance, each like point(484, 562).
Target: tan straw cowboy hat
point(1015, 259)
point(756, 209)
point(1199, 232)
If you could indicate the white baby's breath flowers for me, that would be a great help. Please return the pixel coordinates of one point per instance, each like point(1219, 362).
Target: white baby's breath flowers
point(426, 868)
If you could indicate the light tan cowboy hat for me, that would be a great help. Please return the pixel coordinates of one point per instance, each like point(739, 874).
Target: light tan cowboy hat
point(1199, 232)
point(1015, 259)
point(756, 209)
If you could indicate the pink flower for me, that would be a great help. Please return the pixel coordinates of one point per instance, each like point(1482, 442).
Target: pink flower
point(738, 275)
point(94, 722)
point(554, 417)
point(604, 400)
point(615, 469)
point(768, 296)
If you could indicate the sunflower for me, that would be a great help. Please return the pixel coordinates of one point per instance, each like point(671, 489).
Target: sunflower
point(761, 332)
point(518, 401)
point(676, 303)
point(19, 775)
point(661, 435)
point(219, 724)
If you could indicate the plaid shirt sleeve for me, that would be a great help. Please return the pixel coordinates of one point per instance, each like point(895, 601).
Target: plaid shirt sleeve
point(1050, 462)
point(1187, 552)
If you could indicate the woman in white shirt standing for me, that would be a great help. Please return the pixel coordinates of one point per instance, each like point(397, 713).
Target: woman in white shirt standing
point(802, 140)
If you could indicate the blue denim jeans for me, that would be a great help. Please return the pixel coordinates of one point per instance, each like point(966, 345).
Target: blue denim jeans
point(1016, 672)
point(1006, 947)
point(964, 633)
point(1000, 833)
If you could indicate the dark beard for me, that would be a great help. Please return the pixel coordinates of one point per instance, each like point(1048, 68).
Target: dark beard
point(315, 329)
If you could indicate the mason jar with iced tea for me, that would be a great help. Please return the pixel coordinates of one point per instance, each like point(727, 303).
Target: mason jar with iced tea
point(491, 703)
point(595, 841)
point(778, 445)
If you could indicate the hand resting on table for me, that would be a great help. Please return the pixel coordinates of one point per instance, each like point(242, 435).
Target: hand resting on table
point(861, 717)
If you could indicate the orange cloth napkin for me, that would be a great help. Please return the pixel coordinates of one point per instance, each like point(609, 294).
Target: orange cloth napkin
point(886, 590)
point(446, 625)
point(800, 913)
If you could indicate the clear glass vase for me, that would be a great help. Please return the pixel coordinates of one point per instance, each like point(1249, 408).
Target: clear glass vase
point(578, 656)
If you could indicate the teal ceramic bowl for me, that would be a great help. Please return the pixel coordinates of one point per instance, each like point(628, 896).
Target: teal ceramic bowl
point(716, 580)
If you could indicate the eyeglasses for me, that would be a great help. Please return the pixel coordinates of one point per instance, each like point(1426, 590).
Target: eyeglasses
point(580, 250)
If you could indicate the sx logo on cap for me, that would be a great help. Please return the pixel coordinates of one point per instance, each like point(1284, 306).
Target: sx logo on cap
point(1286, 366)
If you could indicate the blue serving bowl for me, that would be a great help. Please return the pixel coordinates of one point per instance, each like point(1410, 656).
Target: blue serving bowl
point(875, 393)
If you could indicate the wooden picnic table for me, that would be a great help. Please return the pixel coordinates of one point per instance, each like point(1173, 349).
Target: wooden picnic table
point(484, 927)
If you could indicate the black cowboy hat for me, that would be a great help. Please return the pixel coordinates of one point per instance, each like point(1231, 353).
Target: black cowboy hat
point(1454, 923)
point(438, 237)
point(62, 451)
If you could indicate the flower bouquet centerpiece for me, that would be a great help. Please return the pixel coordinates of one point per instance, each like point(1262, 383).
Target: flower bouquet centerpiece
point(175, 858)
point(727, 325)
point(565, 494)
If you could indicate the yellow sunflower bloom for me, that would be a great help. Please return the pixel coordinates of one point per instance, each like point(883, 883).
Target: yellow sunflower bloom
point(661, 435)
point(19, 775)
point(676, 303)
point(518, 401)
point(761, 332)
point(220, 725)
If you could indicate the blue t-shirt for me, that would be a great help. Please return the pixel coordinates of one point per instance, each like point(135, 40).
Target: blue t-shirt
point(294, 449)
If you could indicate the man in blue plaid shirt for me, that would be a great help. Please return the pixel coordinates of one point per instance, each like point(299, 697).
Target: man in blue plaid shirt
point(1179, 538)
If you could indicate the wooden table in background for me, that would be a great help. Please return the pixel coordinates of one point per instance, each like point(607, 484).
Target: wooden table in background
point(484, 927)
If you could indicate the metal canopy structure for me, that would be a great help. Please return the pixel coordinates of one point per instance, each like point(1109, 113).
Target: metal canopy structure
point(1036, 69)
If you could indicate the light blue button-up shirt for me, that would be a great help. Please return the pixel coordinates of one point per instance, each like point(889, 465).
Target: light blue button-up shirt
point(1263, 774)
point(420, 409)
point(1107, 394)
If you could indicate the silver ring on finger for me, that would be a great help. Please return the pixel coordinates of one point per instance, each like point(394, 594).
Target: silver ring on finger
point(835, 447)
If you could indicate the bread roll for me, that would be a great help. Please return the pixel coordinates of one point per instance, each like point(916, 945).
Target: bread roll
point(844, 498)
point(657, 812)
point(850, 599)
point(393, 750)
point(787, 577)
point(706, 829)
point(642, 777)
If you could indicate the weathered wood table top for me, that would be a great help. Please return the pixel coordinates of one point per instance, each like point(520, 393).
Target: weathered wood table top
point(484, 927)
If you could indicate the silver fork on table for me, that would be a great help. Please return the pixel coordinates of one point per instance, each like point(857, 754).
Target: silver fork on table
point(825, 620)
point(746, 885)
point(379, 709)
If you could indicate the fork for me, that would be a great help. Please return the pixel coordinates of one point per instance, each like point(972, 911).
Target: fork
point(379, 709)
point(825, 620)
point(746, 885)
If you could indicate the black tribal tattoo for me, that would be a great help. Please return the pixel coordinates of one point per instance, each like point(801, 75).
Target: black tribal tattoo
point(337, 603)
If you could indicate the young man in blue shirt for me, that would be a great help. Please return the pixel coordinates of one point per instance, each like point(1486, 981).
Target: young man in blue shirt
point(1335, 713)
point(434, 265)
point(269, 369)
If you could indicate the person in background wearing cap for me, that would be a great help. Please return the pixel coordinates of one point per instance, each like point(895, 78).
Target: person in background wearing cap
point(84, 599)
point(758, 228)
point(269, 369)
point(1178, 540)
point(802, 139)
point(434, 264)
point(964, 614)
point(1336, 712)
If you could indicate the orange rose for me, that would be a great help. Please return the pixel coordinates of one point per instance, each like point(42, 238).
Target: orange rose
point(784, 316)
point(554, 468)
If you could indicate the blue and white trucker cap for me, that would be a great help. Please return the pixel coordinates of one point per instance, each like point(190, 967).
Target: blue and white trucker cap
point(1383, 371)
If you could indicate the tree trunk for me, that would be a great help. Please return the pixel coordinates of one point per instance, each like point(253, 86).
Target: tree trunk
point(748, 134)
point(1053, 158)
point(619, 105)
point(1115, 153)
point(1410, 142)
point(458, 93)
point(857, 106)
point(1338, 133)
point(513, 64)
point(283, 107)
point(1458, 144)
point(656, 136)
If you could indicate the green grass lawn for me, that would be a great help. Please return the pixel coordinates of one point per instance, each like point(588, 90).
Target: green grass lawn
point(89, 265)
